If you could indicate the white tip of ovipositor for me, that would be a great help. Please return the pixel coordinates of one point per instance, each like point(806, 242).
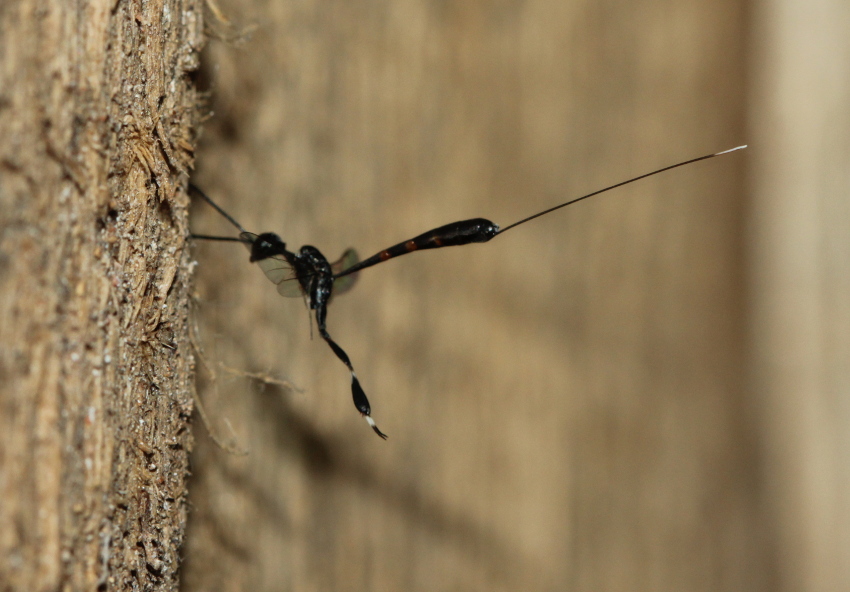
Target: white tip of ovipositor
point(731, 150)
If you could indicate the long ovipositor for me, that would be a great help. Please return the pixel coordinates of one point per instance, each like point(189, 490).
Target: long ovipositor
point(308, 273)
point(481, 230)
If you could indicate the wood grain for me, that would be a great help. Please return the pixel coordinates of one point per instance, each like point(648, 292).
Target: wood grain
point(97, 119)
point(566, 405)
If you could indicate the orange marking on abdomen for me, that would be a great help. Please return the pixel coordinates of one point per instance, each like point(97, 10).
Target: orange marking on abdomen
point(410, 246)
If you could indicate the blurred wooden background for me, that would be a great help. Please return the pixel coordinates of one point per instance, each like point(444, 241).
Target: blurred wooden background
point(614, 397)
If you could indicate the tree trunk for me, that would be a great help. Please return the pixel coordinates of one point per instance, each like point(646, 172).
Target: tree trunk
point(97, 112)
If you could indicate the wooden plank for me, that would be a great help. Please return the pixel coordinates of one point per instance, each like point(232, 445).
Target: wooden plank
point(566, 405)
point(800, 254)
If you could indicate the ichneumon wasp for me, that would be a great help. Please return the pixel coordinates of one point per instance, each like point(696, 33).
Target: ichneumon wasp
point(308, 273)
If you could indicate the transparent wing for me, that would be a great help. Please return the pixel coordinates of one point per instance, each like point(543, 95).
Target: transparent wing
point(345, 283)
point(280, 273)
point(290, 288)
point(277, 269)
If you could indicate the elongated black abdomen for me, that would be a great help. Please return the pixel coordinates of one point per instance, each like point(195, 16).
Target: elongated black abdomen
point(476, 230)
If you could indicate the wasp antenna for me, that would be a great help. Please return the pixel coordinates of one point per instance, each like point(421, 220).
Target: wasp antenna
point(197, 191)
point(232, 239)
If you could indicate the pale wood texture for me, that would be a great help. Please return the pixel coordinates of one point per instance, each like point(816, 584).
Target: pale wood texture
point(567, 406)
point(799, 243)
point(96, 117)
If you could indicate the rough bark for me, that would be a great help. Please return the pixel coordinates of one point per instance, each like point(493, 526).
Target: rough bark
point(566, 405)
point(97, 112)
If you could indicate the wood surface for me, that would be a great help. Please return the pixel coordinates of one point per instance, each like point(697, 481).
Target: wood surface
point(97, 120)
point(566, 405)
point(798, 246)
point(645, 391)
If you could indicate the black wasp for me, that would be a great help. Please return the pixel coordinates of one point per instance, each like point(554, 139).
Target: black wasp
point(308, 273)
